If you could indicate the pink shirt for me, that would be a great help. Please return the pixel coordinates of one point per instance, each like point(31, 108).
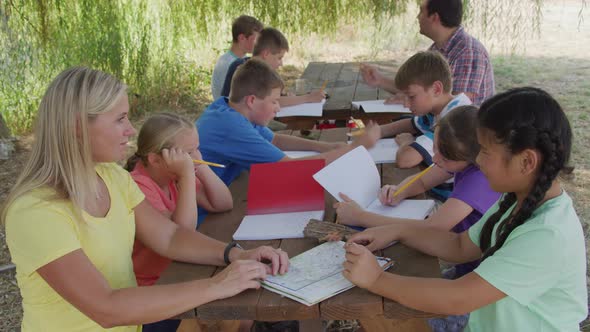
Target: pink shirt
point(148, 265)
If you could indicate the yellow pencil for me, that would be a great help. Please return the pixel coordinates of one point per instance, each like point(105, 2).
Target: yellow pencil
point(324, 85)
point(208, 163)
point(397, 192)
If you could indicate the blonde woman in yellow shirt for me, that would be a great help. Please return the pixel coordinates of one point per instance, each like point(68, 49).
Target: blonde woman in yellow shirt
point(73, 214)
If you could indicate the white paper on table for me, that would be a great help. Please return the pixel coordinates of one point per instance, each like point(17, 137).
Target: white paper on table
point(407, 209)
point(315, 275)
point(305, 109)
point(378, 106)
point(300, 154)
point(354, 174)
point(384, 151)
point(275, 226)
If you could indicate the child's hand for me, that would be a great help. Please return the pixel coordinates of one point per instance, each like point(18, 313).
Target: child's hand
point(349, 212)
point(178, 162)
point(371, 135)
point(404, 139)
point(237, 277)
point(371, 75)
point(386, 196)
point(315, 96)
point(361, 267)
point(374, 238)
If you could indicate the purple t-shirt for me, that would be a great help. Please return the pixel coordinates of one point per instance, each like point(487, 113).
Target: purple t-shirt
point(472, 188)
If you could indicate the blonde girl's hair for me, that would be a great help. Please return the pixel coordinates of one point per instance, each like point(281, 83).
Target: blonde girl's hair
point(61, 157)
point(157, 133)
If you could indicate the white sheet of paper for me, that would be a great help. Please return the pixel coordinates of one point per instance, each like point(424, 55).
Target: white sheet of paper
point(377, 106)
point(407, 209)
point(306, 109)
point(314, 275)
point(300, 154)
point(354, 174)
point(383, 152)
point(275, 226)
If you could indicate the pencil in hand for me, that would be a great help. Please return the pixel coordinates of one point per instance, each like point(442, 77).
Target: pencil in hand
point(414, 179)
point(197, 161)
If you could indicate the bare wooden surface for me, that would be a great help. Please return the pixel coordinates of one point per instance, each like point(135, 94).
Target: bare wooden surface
point(268, 306)
point(344, 85)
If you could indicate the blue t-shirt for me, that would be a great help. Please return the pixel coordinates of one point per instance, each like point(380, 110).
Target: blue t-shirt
point(230, 74)
point(228, 138)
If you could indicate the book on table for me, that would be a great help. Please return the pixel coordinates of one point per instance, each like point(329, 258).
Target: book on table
point(355, 175)
point(316, 274)
point(305, 109)
point(282, 198)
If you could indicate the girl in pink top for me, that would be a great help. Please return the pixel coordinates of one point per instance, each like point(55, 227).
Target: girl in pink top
point(163, 169)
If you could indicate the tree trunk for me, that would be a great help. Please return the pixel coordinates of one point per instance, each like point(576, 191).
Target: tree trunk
point(4, 131)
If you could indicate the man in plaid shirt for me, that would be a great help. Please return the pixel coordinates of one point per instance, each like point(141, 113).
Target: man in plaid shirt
point(440, 20)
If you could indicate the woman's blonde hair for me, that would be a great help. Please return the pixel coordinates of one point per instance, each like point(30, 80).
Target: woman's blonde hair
point(61, 157)
point(157, 133)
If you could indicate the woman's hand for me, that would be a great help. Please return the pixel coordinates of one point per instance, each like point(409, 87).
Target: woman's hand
point(278, 259)
point(237, 277)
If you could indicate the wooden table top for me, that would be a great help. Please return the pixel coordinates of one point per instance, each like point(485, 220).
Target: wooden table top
point(344, 85)
point(264, 305)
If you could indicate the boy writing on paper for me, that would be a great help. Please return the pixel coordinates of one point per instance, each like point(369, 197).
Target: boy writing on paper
point(425, 80)
point(271, 47)
point(234, 131)
point(244, 30)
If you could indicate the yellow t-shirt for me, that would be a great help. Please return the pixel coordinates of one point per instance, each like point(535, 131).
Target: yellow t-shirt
point(40, 230)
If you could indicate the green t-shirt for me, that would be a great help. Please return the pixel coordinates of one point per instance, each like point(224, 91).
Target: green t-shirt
point(541, 268)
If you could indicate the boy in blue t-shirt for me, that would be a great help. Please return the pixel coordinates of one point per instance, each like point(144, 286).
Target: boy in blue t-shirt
point(233, 131)
point(271, 46)
point(425, 79)
point(244, 30)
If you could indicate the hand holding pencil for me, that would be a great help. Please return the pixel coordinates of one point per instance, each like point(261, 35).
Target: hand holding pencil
point(393, 195)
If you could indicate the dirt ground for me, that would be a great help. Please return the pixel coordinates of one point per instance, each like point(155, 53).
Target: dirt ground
point(558, 61)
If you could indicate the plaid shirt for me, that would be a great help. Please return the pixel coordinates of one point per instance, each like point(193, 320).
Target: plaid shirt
point(470, 65)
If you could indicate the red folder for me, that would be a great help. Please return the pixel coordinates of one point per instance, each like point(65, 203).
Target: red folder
point(285, 187)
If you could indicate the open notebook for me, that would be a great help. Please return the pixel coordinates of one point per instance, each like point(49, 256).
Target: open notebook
point(282, 197)
point(355, 175)
point(378, 106)
point(306, 109)
point(316, 274)
point(383, 152)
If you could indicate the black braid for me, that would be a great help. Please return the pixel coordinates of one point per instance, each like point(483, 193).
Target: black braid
point(548, 171)
point(525, 118)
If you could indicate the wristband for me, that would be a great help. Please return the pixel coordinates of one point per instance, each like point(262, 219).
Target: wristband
point(227, 250)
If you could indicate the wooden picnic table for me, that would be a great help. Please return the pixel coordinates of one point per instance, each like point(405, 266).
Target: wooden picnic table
point(375, 312)
point(344, 85)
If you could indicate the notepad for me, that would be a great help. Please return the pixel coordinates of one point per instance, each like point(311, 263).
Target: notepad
point(316, 274)
point(305, 109)
point(378, 106)
point(355, 175)
point(282, 197)
point(383, 152)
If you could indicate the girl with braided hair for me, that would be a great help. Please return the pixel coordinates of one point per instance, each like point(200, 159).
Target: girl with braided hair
point(532, 274)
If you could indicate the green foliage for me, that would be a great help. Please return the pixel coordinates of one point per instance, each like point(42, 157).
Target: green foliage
point(164, 50)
